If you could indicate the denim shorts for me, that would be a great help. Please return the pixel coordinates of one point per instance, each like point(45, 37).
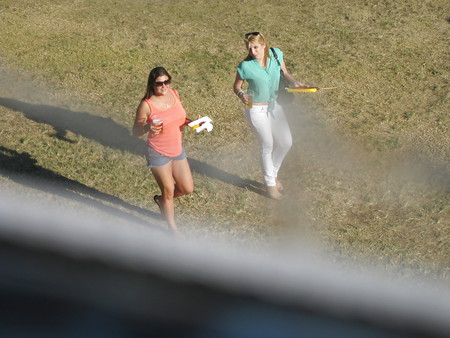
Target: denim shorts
point(155, 159)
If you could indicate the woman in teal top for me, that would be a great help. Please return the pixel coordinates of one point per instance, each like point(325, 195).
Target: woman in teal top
point(266, 117)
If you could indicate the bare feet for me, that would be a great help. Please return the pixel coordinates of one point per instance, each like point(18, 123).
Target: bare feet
point(172, 227)
point(279, 185)
point(274, 193)
point(176, 233)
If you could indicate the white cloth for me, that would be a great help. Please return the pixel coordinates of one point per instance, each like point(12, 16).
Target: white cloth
point(274, 136)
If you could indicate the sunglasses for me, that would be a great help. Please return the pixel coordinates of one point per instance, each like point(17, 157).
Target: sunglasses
point(160, 83)
point(252, 33)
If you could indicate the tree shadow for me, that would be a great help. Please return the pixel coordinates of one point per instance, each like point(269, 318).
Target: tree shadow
point(110, 134)
point(22, 169)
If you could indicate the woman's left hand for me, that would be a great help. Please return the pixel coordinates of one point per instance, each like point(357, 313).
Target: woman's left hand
point(297, 84)
point(186, 122)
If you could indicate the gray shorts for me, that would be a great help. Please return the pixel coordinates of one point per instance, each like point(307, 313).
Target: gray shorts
point(155, 159)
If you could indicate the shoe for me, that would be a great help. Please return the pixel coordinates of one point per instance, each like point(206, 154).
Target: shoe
point(274, 193)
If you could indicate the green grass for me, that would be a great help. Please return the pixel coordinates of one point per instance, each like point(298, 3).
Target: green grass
point(368, 176)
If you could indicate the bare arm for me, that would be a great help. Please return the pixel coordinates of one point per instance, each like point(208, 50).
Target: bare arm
point(140, 126)
point(238, 82)
point(237, 88)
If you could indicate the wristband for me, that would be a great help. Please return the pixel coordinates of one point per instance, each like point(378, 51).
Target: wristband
point(240, 93)
point(144, 129)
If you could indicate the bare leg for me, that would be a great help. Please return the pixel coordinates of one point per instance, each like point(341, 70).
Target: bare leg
point(184, 183)
point(174, 180)
point(163, 176)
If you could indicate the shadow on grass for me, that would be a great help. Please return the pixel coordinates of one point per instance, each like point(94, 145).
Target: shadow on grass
point(22, 169)
point(110, 134)
point(97, 128)
point(214, 172)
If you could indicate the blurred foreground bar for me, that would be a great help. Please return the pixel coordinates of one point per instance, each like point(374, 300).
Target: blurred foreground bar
point(62, 275)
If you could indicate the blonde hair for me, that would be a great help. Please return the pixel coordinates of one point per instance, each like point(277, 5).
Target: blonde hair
point(257, 37)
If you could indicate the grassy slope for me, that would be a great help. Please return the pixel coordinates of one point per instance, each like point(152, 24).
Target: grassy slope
point(369, 172)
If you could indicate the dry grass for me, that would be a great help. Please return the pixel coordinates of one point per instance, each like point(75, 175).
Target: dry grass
point(368, 177)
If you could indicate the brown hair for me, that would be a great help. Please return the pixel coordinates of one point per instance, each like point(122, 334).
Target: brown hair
point(154, 74)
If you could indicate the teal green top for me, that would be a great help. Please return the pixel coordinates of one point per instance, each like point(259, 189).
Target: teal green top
point(263, 82)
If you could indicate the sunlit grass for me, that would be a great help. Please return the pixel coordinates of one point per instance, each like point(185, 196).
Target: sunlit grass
point(349, 178)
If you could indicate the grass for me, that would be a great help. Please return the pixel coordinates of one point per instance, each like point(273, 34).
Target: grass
point(368, 176)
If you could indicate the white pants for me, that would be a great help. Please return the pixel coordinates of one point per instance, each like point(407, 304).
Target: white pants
point(274, 138)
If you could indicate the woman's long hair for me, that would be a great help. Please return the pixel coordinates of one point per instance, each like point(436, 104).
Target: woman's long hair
point(154, 74)
point(260, 39)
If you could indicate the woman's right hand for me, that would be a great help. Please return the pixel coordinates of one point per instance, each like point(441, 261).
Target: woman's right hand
point(155, 129)
point(243, 97)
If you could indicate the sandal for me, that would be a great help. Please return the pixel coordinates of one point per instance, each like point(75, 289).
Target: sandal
point(156, 198)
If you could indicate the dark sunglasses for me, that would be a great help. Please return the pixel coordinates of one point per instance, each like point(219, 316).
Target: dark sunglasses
point(160, 83)
point(252, 33)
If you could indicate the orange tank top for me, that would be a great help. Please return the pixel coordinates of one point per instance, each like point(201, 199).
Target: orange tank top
point(169, 143)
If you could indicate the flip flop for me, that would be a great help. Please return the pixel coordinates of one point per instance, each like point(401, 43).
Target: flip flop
point(156, 198)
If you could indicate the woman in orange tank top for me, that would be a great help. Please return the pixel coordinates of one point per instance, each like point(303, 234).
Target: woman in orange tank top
point(161, 115)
